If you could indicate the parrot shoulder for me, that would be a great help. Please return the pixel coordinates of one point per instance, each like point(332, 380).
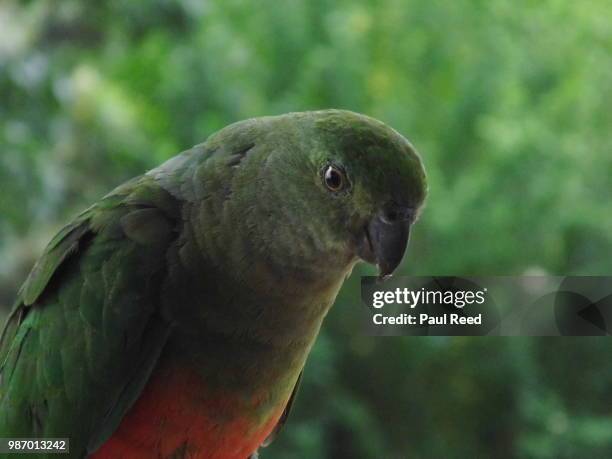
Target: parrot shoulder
point(137, 221)
point(139, 208)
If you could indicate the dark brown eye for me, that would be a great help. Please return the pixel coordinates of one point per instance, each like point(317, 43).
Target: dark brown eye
point(334, 178)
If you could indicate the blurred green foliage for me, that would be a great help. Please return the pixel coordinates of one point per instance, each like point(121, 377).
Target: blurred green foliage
point(508, 102)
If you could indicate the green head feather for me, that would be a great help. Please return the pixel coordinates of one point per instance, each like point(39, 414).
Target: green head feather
point(275, 187)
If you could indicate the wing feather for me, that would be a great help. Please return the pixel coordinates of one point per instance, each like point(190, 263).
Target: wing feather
point(86, 331)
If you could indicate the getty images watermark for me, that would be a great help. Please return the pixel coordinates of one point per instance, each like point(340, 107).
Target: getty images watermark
point(413, 298)
point(508, 306)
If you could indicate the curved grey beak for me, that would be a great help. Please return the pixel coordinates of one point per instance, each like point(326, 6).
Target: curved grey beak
point(386, 239)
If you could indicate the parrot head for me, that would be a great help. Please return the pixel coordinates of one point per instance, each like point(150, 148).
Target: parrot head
point(333, 187)
point(375, 182)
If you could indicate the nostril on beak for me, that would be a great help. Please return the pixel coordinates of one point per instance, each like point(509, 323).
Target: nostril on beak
point(396, 214)
point(391, 216)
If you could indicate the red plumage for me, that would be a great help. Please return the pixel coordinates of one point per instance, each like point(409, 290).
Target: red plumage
point(175, 418)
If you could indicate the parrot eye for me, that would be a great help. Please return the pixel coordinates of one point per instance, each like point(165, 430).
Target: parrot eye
point(334, 178)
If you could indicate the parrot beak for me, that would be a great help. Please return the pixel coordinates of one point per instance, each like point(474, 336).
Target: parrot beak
point(385, 240)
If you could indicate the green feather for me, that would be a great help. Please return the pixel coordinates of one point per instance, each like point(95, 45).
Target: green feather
point(225, 260)
point(82, 341)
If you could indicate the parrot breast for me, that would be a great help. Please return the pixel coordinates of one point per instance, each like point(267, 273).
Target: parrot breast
point(175, 418)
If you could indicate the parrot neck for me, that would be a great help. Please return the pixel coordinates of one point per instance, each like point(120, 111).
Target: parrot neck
point(248, 287)
point(252, 326)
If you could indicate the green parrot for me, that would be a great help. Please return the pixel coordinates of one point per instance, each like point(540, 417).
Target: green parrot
point(173, 318)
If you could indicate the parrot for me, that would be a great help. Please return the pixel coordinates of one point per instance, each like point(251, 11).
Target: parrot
point(173, 318)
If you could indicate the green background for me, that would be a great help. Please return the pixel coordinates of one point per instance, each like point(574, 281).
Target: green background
point(509, 103)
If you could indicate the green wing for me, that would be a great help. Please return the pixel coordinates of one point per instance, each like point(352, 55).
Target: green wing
point(87, 327)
